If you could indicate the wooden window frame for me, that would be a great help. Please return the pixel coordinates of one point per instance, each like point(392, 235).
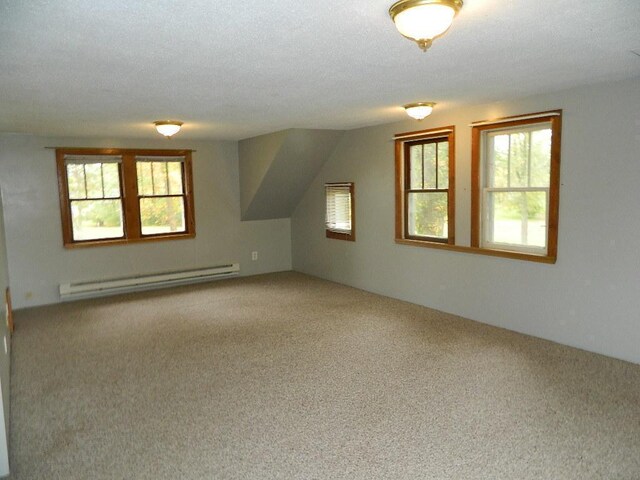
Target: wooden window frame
point(403, 142)
point(351, 236)
point(553, 117)
point(128, 194)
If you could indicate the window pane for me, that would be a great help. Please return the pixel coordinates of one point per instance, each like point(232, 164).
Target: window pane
point(415, 153)
point(95, 219)
point(540, 157)
point(429, 165)
point(93, 172)
point(339, 211)
point(175, 178)
point(111, 175)
point(427, 214)
point(443, 164)
point(75, 179)
point(160, 186)
point(498, 165)
point(519, 175)
point(144, 178)
point(517, 218)
point(162, 215)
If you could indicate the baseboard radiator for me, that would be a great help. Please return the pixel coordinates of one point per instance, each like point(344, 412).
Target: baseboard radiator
point(100, 288)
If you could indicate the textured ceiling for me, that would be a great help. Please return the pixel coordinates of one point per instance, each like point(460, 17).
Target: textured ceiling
point(232, 70)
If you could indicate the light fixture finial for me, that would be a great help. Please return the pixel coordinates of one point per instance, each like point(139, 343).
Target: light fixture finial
point(168, 128)
point(424, 44)
point(424, 20)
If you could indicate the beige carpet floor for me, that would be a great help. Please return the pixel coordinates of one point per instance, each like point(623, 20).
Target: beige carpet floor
point(285, 376)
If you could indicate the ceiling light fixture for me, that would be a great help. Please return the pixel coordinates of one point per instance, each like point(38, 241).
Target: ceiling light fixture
point(168, 128)
point(424, 20)
point(419, 110)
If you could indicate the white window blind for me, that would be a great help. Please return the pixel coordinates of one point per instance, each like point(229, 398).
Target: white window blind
point(338, 213)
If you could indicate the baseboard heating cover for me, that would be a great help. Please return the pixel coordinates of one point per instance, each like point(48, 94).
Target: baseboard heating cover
point(99, 288)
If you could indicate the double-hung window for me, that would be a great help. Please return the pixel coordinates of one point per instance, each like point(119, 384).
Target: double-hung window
point(112, 196)
point(425, 209)
point(94, 202)
point(161, 194)
point(339, 214)
point(516, 185)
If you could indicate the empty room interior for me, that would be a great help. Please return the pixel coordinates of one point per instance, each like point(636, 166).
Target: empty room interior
point(320, 240)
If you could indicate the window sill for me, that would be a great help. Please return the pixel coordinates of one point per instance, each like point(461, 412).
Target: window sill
point(479, 251)
point(350, 237)
point(125, 241)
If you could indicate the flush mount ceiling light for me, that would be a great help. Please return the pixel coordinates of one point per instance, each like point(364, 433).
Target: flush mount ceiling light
point(419, 110)
point(168, 128)
point(424, 20)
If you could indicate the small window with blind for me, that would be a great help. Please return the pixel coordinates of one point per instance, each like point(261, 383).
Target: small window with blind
point(340, 218)
point(114, 196)
point(425, 208)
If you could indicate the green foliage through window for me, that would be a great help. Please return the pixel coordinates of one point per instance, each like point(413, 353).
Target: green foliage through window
point(427, 194)
point(124, 194)
point(160, 188)
point(517, 183)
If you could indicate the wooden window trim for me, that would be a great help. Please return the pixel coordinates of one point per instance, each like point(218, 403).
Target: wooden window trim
point(7, 297)
point(350, 237)
point(129, 196)
point(402, 143)
point(479, 251)
point(554, 117)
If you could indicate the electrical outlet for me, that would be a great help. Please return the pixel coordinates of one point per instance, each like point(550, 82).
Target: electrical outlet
point(254, 256)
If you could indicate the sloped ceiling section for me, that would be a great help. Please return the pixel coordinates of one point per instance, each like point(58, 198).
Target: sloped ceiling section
point(276, 169)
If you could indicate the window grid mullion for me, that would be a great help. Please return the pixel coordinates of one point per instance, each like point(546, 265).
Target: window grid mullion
point(169, 195)
point(84, 178)
point(529, 160)
point(166, 176)
point(153, 183)
point(427, 190)
point(516, 189)
point(102, 178)
point(437, 181)
point(423, 169)
point(508, 164)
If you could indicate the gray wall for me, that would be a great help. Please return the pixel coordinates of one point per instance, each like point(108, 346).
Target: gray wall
point(5, 357)
point(38, 262)
point(589, 299)
point(276, 169)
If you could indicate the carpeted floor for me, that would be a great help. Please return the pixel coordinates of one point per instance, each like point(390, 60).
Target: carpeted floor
point(285, 376)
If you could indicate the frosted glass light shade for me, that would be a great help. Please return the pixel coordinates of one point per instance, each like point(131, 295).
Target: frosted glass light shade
point(424, 20)
point(419, 110)
point(168, 127)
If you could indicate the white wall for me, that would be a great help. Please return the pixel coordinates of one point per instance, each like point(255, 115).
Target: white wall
point(38, 262)
point(589, 299)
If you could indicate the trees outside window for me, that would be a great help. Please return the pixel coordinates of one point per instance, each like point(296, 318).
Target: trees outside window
point(515, 189)
point(425, 209)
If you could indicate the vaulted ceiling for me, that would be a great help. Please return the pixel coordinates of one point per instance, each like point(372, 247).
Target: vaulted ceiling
point(232, 70)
